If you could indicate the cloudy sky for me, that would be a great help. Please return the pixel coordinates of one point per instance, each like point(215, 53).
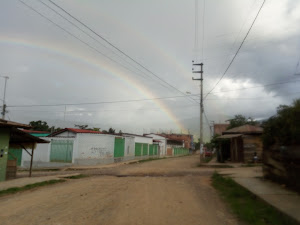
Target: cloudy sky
point(66, 73)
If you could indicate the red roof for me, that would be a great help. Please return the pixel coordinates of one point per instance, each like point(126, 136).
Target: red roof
point(83, 131)
point(74, 130)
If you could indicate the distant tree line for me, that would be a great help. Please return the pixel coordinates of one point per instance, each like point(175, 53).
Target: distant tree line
point(284, 127)
point(43, 126)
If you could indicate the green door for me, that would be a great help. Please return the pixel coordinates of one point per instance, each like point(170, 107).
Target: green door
point(119, 147)
point(14, 153)
point(150, 149)
point(145, 149)
point(138, 149)
point(61, 151)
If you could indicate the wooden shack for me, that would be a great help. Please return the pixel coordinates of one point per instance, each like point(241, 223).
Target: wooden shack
point(243, 142)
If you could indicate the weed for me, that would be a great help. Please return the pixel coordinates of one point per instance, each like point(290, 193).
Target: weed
point(29, 186)
point(77, 176)
point(246, 205)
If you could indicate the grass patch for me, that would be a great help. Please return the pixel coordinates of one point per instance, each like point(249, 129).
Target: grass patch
point(146, 160)
point(14, 190)
point(246, 205)
point(77, 176)
point(44, 169)
point(250, 165)
point(207, 159)
point(214, 166)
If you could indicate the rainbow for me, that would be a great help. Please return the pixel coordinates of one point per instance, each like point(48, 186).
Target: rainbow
point(75, 59)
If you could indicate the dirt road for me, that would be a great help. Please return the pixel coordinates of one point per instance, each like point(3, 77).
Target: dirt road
point(170, 191)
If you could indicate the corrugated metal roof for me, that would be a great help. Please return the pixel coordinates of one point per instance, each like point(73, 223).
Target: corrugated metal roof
point(35, 131)
point(245, 129)
point(7, 123)
point(228, 136)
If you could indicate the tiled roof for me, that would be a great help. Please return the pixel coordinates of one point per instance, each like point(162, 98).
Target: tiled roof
point(245, 129)
point(74, 130)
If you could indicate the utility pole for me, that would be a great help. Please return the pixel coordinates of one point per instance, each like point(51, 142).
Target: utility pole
point(212, 127)
point(201, 100)
point(4, 105)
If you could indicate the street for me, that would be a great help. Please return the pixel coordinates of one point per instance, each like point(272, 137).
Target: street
point(167, 191)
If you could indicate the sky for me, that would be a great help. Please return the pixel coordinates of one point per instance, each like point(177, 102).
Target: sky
point(128, 64)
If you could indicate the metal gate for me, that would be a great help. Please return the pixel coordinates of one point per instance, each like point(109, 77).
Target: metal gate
point(150, 149)
point(119, 147)
point(138, 149)
point(61, 151)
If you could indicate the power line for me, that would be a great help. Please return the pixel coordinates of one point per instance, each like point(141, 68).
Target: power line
point(237, 50)
point(94, 38)
point(97, 103)
point(85, 43)
point(115, 47)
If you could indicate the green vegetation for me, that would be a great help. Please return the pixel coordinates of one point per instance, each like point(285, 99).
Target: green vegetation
point(214, 166)
point(29, 186)
point(207, 159)
point(240, 120)
point(247, 206)
point(79, 176)
point(146, 160)
point(284, 127)
point(250, 165)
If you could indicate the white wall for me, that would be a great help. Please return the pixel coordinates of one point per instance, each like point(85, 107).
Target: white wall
point(143, 140)
point(41, 154)
point(94, 149)
point(129, 147)
point(162, 143)
point(66, 134)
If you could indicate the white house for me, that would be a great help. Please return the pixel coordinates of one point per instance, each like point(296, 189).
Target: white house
point(162, 143)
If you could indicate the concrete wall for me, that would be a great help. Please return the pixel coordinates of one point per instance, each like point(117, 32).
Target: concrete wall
point(93, 149)
point(146, 140)
point(66, 134)
point(129, 148)
point(4, 145)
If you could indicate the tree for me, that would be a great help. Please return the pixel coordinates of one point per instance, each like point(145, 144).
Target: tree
point(284, 127)
point(81, 126)
point(240, 120)
point(96, 129)
point(120, 132)
point(111, 130)
point(39, 125)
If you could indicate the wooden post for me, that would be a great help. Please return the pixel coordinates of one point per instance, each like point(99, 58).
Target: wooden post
point(30, 170)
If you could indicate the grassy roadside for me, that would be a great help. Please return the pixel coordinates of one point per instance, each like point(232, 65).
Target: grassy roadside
point(79, 176)
point(246, 205)
point(14, 190)
point(147, 160)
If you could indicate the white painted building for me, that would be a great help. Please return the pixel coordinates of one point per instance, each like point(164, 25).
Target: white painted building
point(162, 143)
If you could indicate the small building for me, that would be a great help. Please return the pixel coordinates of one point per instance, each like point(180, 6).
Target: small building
point(12, 137)
point(162, 142)
point(37, 133)
point(239, 144)
point(219, 128)
point(187, 139)
point(143, 146)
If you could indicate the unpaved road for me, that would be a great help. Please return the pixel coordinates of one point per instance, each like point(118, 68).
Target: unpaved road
point(170, 191)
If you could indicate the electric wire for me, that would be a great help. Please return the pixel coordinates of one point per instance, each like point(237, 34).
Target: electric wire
point(117, 48)
point(147, 77)
point(85, 43)
point(232, 60)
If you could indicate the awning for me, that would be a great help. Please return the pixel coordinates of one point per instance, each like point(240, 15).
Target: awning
point(229, 136)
